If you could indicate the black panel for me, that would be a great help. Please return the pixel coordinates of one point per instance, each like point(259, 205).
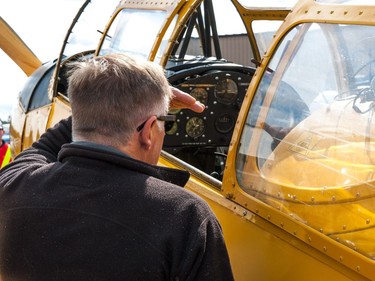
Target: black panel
point(213, 127)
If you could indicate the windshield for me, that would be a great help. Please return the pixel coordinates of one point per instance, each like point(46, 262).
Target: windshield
point(264, 31)
point(135, 31)
point(308, 145)
point(131, 27)
point(87, 30)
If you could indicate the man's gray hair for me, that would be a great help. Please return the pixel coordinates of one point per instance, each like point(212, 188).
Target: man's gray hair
point(111, 95)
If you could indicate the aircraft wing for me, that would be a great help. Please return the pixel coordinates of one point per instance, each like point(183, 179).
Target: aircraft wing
point(16, 49)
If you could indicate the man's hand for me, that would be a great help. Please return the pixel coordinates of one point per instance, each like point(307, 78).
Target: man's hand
point(181, 99)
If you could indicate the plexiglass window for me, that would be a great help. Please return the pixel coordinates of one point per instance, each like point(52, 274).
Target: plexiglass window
point(131, 27)
point(264, 31)
point(87, 31)
point(308, 144)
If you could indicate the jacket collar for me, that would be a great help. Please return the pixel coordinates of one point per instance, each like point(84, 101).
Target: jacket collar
point(175, 176)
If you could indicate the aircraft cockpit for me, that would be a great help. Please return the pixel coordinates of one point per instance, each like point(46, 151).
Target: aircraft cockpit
point(202, 55)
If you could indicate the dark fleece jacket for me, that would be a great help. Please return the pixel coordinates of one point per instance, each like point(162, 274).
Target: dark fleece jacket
point(76, 212)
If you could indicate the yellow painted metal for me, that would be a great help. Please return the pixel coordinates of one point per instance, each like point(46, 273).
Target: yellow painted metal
point(16, 130)
point(261, 250)
point(29, 127)
point(60, 110)
point(16, 49)
point(35, 125)
point(284, 197)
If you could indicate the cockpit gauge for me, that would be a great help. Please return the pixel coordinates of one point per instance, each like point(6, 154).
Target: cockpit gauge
point(174, 111)
point(224, 123)
point(226, 91)
point(195, 127)
point(173, 129)
point(200, 95)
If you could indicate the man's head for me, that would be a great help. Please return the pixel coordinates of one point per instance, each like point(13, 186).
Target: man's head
point(111, 96)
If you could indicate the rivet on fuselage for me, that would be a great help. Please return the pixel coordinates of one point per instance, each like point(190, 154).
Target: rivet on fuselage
point(367, 221)
point(229, 195)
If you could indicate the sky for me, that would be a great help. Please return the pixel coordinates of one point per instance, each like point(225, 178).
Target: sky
point(42, 24)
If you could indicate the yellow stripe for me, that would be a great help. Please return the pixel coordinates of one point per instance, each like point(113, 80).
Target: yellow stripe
point(7, 158)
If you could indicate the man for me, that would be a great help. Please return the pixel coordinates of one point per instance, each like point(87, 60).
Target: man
point(98, 208)
point(5, 154)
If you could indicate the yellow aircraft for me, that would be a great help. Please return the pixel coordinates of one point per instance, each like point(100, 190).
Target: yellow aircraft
point(283, 151)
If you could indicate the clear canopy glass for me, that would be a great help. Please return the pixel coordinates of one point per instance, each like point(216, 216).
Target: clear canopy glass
point(134, 32)
point(87, 31)
point(308, 144)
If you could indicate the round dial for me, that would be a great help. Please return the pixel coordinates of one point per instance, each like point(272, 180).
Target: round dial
point(226, 91)
point(200, 95)
point(224, 123)
point(174, 111)
point(195, 127)
point(173, 129)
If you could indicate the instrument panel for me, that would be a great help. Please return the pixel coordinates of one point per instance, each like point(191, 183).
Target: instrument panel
point(222, 92)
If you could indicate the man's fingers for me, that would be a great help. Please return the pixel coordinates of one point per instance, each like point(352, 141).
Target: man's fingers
point(181, 99)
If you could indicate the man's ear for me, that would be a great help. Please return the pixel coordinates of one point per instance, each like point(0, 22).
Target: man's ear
point(146, 134)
